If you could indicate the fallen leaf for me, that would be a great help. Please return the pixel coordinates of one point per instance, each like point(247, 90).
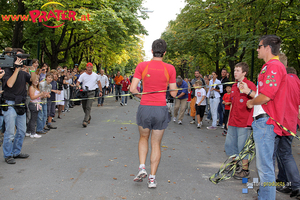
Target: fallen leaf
point(115, 158)
point(106, 166)
point(123, 197)
point(131, 174)
point(121, 128)
point(174, 132)
point(201, 141)
point(174, 182)
point(173, 148)
point(71, 178)
point(208, 147)
point(169, 181)
point(113, 136)
point(115, 178)
point(164, 146)
point(216, 136)
point(40, 159)
point(125, 165)
point(129, 138)
point(169, 156)
point(11, 188)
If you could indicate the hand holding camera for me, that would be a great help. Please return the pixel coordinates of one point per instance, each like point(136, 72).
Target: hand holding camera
point(2, 72)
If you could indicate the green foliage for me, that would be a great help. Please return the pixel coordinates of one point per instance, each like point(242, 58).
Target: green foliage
point(216, 34)
point(100, 34)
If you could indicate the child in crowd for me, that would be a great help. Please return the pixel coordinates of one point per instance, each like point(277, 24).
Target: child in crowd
point(125, 86)
point(34, 107)
point(189, 99)
point(51, 101)
point(226, 101)
point(200, 102)
point(45, 87)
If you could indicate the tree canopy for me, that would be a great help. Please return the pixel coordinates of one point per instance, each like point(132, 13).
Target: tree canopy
point(103, 31)
point(214, 34)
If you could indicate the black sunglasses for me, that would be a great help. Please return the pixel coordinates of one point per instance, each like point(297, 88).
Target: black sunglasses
point(260, 45)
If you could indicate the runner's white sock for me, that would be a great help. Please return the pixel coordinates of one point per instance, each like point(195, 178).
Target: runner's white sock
point(142, 166)
point(151, 176)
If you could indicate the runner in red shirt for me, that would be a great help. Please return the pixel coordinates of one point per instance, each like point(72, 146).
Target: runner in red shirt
point(238, 132)
point(152, 114)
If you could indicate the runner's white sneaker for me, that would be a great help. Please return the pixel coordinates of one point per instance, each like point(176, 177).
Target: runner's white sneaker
point(27, 134)
point(174, 119)
point(199, 126)
point(142, 174)
point(152, 183)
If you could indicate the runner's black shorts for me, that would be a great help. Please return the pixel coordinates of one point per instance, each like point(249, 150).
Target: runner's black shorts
point(200, 110)
point(153, 117)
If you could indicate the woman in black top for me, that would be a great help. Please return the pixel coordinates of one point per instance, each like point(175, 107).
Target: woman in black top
point(60, 97)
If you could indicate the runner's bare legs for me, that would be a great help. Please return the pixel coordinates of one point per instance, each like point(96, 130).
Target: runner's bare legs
point(156, 138)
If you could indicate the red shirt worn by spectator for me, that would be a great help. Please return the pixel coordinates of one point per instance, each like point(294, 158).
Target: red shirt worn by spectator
point(125, 84)
point(226, 98)
point(272, 82)
point(240, 113)
point(156, 76)
point(292, 103)
point(189, 96)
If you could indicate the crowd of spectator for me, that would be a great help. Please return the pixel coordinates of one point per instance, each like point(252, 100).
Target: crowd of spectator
point(47, 93)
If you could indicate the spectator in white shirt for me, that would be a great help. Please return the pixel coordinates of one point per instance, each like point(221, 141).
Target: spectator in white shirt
point(105, 83)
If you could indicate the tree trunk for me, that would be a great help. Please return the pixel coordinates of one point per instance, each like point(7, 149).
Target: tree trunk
point(18, 30)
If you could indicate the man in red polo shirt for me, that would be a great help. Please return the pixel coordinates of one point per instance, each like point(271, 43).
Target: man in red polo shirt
point(153, 113)
point(238, 132)
point(269, 101)
point(288, 170)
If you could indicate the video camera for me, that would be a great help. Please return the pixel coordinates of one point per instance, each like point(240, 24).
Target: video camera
point(7, 59)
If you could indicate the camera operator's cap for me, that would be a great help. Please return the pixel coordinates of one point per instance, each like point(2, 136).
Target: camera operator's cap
point(76, 64)
point(89, 64)
point(8, 49)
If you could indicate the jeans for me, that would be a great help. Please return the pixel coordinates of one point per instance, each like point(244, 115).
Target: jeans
point(124, 97)
point(1, 124)
point(288, 170)
point(235, 140)
point(42, 118)
point(214, 102)
point(101, 99)
point(264, 138)
point(112, 88)
point(221, 110)
point(118, 91)
point(33, 119)
point(12, 143)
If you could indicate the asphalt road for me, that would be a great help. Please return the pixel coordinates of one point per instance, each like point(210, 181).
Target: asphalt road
point(99, 162)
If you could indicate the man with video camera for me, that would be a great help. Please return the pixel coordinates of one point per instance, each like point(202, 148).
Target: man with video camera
point(14, 87)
